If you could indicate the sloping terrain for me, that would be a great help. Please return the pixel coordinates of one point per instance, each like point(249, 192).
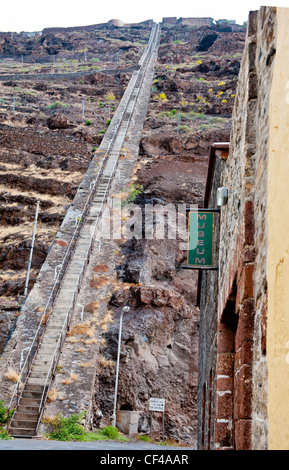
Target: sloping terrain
point(46, 147)
point(160, 338)
point(54, 110)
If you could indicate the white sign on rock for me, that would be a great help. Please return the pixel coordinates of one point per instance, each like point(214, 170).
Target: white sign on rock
point(157, 404)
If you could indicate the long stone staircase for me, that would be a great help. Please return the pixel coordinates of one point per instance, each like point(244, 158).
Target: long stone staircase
point(33, 393)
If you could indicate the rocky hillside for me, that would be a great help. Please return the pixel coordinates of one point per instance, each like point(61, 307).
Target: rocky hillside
point(55, 106)
point(65, 86)
point(160, 351)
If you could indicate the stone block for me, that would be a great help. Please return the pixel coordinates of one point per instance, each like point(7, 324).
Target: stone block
point(245, 285)
point(225, 341)
point(244, 355)
point(245, 330)
point(127, 421)
point(224, 405)
point(223, 434)
point(243, 434)
point(243, 393)
point(225, 364)
point(224, 384)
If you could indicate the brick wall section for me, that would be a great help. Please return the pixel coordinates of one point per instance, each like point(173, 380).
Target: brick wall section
point(224, 389)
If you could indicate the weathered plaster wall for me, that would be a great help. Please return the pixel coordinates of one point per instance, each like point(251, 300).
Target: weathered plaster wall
point(278, 243)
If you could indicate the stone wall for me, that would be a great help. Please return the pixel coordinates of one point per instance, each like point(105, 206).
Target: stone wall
point(208, 281)
point(198, 22)
point(241, 381)
point(243, 233)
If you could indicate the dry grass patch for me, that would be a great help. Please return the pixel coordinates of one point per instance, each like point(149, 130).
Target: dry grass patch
point(108, 318)
point(52, 395)
point(49, 420)
point(89, 341)
point(72, 378)
point(91, 307)
point(106, 362)
point(82, 329)
point(86, 364)
point(99, 281)
point(101, 268)
point(44, 318)
point(73, 339)
point(12, 375)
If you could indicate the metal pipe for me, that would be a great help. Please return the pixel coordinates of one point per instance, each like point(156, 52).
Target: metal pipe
point(31, 250)
point(124, 310)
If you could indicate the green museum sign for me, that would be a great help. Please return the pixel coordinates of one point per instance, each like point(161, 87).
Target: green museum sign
point(201, 239)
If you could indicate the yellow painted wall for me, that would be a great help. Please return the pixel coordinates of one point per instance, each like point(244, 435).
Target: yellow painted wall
point(278, 243)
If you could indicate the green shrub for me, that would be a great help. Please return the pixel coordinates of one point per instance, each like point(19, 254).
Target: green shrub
point(144, 438)
point(88, 123)
point(67, 429)
point(108, 122)
point(4, 434)
point(184, 129)
point(4, 414)
point(134, 192)
point(111, 432)
point(57, 104)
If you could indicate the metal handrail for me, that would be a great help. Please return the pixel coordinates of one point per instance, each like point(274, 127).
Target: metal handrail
point(70, 248)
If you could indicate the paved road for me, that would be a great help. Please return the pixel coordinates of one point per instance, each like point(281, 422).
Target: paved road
point(38, 444)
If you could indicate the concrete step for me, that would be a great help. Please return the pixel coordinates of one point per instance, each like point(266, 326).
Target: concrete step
point(56, 322)
point(56, 327)
point(47, 349)
point(29, 402)
point(33, 388)
point(23, 416)
point(22, 432)
point(38, 374)
point(28, 408)
point(37, 381)
point(49, 341)
point(59, 314)
point(25, 423)
point(36, 395)
point(52, 333)
point(39, 368)
point(59, 310)
point(43, 363)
